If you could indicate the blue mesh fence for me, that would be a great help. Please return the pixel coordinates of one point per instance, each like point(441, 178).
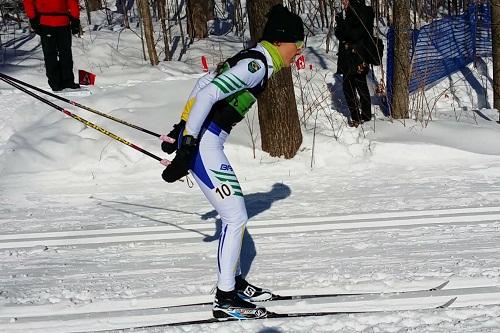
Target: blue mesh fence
point(444, 47)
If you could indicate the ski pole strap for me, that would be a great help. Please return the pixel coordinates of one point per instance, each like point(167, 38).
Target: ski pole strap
point(12, 79)
point(80, 119)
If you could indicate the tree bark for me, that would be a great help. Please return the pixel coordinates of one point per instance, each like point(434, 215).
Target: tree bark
point(197, 11)
point(162, 12)
point(94, 5)
point(278, 118)
point(402, 45)
point(210, 10)
point(148, 31)
point(238, 17)
point(495, 39)
point(179, 22)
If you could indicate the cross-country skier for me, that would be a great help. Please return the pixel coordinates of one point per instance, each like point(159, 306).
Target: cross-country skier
point(218, 101)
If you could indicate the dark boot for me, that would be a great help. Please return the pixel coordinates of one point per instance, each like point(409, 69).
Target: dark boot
point(250, 292)
point(227, 304)
point(71, 85)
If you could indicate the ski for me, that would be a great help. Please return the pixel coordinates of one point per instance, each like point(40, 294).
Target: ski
point(272, 315)
point(308, 296)
point(275, 297)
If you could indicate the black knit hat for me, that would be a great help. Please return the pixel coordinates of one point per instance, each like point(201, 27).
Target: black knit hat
point(283, 26)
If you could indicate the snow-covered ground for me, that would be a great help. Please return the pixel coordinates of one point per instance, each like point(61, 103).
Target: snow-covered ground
point(92, 239)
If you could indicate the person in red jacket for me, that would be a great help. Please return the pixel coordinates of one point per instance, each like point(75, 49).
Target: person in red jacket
point(55, 21)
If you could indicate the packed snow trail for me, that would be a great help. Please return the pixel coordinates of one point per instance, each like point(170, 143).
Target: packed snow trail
point(196, 231)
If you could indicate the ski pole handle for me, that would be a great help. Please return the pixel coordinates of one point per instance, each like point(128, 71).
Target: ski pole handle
point(165, 162)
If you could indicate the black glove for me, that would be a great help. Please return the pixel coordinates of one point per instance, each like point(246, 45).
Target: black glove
point(168, 147)
point(182, 161)
point(35, 24)
point(75, 25)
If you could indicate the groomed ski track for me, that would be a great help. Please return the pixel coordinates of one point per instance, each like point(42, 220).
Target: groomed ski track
point(194, 232)
point(136, 311)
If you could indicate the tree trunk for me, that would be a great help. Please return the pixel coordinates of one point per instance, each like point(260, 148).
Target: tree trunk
point(322, 12)
point(179, 21)
point(94, 5)
point(210, 10)
point(197, 11)
point(148, 31)
point(278, 118)
point(402, 45)
point(162, 12)
point(495, 38)
point(238, 18)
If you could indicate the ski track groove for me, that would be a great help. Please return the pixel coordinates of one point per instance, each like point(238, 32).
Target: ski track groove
point(259, 227)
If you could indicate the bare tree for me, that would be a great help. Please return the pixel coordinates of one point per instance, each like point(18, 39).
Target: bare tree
point(179, 22)
point(402, 69)
point(148, 31)
point(210, 10)
point(163, 14)
point(278, 118)
point(238, 19)
point(93, 5)
point(495, 37)
point(90, 6)
point(197, 11)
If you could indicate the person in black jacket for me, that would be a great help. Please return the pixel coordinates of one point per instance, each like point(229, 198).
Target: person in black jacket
point(353, 32)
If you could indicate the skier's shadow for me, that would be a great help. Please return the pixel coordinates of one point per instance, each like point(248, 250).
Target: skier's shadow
point(256, 203)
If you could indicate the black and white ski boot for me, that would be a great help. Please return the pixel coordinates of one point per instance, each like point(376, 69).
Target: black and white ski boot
point(250, 292)
point(227, 304)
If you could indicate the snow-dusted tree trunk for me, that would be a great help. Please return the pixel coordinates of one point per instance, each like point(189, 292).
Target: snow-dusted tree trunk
point(495, 37)
point(148, 31)
point(401, 80)
point(278, 118)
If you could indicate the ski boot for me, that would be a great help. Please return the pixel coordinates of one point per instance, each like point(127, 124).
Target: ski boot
point(251, 293)
point(71, 85)
point(227, 304)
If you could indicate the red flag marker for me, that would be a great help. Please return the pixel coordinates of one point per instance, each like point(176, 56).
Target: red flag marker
point(86, 78)
point(204, 63)
point(300, 62)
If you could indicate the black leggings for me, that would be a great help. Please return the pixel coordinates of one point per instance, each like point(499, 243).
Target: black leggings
point(357, 83)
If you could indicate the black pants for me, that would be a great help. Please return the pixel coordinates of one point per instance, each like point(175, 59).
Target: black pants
point(56, 46)
point(356, 83)
point(124, 4)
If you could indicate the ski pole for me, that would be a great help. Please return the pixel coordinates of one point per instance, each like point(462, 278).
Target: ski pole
point(84, 121)
point(79, 105)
